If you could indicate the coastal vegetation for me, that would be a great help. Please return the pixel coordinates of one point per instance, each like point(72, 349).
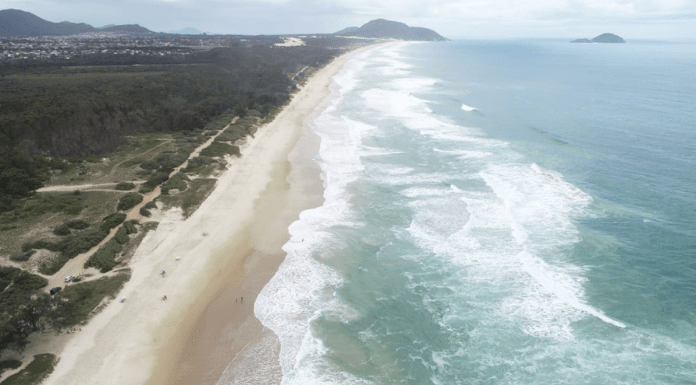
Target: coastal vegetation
point(38, 369)
point(97, 133)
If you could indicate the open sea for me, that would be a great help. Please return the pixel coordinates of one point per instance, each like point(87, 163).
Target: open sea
point(498, 212)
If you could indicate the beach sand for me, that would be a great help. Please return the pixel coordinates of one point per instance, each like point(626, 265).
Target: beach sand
point(228, 249)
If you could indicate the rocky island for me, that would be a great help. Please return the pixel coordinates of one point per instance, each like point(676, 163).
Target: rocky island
point(603, 38)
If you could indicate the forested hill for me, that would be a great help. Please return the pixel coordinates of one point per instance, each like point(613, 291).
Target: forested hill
point(14, 22)
point(381, 28)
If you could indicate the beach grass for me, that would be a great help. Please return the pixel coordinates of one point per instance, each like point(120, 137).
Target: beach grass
point(83, 298)
point(35, 372)
point(191, 198)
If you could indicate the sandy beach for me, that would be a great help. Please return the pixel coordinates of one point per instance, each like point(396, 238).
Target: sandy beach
point(216, 262)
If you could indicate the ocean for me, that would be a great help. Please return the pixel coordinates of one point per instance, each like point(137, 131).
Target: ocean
point(498, 212)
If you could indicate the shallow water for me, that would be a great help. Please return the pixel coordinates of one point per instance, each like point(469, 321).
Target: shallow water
point(513, 212)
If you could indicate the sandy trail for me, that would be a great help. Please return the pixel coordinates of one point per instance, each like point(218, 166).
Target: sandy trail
point(75, 266)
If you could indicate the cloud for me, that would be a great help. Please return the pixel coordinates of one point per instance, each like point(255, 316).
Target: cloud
point(453, 18)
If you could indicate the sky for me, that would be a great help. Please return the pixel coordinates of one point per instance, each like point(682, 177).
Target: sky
point(455, 19)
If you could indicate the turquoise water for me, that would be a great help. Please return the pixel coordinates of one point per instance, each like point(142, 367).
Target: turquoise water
point(498, 212)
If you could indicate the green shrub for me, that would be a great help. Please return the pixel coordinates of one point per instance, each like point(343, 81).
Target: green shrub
point(130, 226)
point(145, 189)
point(150, 205)
point(22, 256)
point(75, 244)
point(104, 259)
point(44, 244)
point(157, 178)
point(78, 301)
point(196, 163)
point(111, 221)
point(129, 201)
point(61, 230)
point(77, 224)
point(51, 203)
point(35, 372)
point(81, 242)
point(125, 186)
point(16, 285)
point(9, 364)
point(121, 235)
point(165, 160)
point(26, 246)
point(145, 212)
point(220, 149)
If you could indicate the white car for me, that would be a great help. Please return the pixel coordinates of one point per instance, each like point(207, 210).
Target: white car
point(69, 278)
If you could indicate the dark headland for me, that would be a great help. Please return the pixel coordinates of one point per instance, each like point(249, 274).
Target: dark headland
point(385, 29)
point(603, 38)
point(14, 22)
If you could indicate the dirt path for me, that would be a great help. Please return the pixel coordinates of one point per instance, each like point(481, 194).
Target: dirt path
point(75, 266)
point(113, 169)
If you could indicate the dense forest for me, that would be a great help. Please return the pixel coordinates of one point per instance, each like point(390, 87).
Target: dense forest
point(59, 108)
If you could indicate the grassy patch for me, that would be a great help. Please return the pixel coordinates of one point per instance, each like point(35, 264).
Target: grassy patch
point(70, 247)
point(35, 372)
point(9, 364)
point(130, 247)
point(155, 179)
point(176, 182)
point(220, 149)
point(111, 221)
point(129, 201)
point(61, 230)
point(197, 163)
point(41, 204)
point(104, 259)
point(16, 285)
point(129, 226)
point(125, 186)
point(164, 161)
point(21, 256)
point(81, 299)
point(77, 224)
point(191, 199)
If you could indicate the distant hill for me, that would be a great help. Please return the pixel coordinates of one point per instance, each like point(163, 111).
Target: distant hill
point(381, 28)
point(127, 28)
point(14, 22)
point(346, 31)
point(603, 38)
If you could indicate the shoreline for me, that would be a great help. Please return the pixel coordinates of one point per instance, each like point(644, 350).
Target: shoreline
point(230, 247)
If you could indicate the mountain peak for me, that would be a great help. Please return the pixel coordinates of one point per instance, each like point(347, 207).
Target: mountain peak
point(381, 28)
point(14, 22)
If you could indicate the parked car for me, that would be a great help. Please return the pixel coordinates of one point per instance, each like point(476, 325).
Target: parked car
point(69, 278)
point(55, 290)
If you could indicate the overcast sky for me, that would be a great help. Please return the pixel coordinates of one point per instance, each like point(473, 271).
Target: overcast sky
point(631, 19)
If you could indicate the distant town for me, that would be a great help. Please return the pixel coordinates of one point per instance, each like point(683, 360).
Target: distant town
point(109, 43)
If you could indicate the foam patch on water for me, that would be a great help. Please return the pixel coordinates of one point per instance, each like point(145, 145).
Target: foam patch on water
point(469, 108)
point(302, 289)
point(466, 154)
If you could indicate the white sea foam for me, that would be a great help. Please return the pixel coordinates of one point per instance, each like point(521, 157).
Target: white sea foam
point(469, 108)
point(466, 154)
point(301, 289)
